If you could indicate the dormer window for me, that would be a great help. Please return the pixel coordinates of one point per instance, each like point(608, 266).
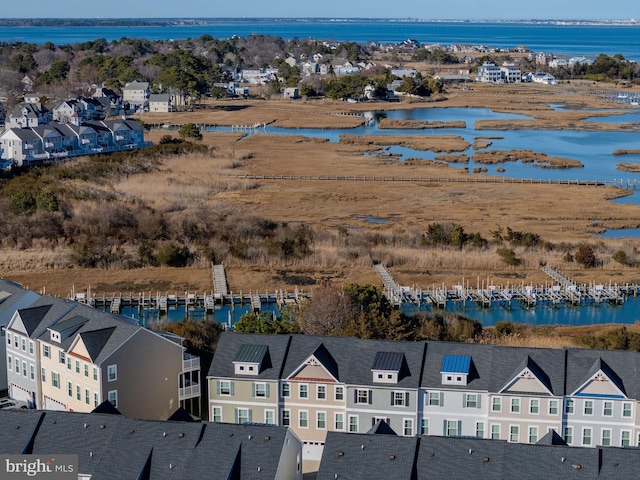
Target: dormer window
point(250, 359)
point(455, 369)
point(387, 367)
point(55, 336)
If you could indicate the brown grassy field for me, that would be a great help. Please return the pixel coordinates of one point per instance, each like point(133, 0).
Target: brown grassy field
point(559, 214)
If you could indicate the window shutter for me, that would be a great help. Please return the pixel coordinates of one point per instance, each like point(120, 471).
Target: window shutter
point(478, 397)
point(355, 396)
point(370, 397)
point(235, 413)
point(442, 399)
point(444, 428)
point(464, 400)
point(218, 386)
point(406, 399)
point(268, 389)
point(392, 397)
point(459, 428)
point(253, 389)
point(250, 416)
point(231, 388)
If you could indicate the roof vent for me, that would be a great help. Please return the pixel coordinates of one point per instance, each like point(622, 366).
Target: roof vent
point(485, 459)
point(91, 454)
point(267, 438)
point(577, 466)
point(102, 426)
point(171, 466)
point(362, 447)
point(336, 475)
point(250, 437)
point(86, 425)
point(470, 451)
point(392, 457)
point(563, 459)
point(341, 454)
point(259, 469)
point(181, 435)
point(164, 434)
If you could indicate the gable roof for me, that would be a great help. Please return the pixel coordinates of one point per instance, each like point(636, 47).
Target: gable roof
point(551, 438)
point(381, 428)
point(32, 317)
point(536, 371)
point(95, 341)
point(621, 368)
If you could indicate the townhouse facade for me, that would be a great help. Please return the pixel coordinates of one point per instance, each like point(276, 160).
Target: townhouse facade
point(136, 94)
point(316, 385)
point(61, 355)
point(37, 145)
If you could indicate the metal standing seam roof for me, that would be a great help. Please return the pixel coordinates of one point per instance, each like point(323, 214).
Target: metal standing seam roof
point(250, 353)
point(69, 323)
point(456, 364)
point(391, 361)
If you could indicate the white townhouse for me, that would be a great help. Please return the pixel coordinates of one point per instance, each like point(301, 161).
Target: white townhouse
point(510, 73)
point(489, 73)
point(136, 94)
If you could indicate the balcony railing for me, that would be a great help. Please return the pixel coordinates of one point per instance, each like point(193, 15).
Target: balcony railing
point(190, 362)
point(189, 392)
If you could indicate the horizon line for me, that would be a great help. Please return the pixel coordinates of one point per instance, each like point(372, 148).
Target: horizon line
point(339, 18)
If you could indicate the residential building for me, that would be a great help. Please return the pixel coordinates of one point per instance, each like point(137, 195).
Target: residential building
point(368, 456)
point(28, 115)
point(510, 73)
point(291, 93)
point(489, 73)
point(160, 102)
point(136, 95)
point(37, 145)
point(519, 395)
point(544, 78)
point(113, 446)
point(62, 355)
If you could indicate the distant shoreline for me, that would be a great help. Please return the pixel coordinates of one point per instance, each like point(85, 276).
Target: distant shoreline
point(121, 22)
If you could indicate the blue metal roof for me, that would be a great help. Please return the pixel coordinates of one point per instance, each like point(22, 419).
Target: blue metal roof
point(455, 364)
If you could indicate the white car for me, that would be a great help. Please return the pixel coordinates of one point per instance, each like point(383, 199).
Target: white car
point(8, 404)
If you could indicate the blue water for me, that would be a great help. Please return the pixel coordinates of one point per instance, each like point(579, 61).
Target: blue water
point(571, 40)
point(621, 233)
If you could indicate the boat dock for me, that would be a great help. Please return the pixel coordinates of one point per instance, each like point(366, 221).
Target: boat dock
point(561, 291)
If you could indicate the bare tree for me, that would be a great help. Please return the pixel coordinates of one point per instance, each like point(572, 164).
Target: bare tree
point(327, 312)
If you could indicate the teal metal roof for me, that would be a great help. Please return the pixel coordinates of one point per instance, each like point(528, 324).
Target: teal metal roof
point(251, 353)
point(391, 361)
point(455, 364)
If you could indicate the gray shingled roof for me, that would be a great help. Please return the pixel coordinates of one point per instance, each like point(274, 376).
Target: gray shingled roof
point(95, 340)
point(31, 317)
point(17, 429)
point(370, 457)
point(17, 298)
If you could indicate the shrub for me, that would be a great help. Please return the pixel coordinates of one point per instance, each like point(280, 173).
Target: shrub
point(621, 257)
point(585, 256)
point(508, 256)
point(173, 255)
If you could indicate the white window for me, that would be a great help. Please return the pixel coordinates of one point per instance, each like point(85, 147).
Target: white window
point(452, 428)
point(400, 399)
point(321, 392)
point(435, 399)
point(70, 389)
point(553, 407)
point(87, 397)
point(46, 351)
point(534, 406)
point(269, 417)
point(286, 418)
point(588, 407)
point(321, 420)
point(78, 393)
point(480, 429)
point(55, 379)
point(24, 344)
point(339, 393)
point(625, 438)
point(362, 395)
point(61, 357)
point(260, 390)
point(339, 417)
point(17, 366)
point(77, 366)
point(606, 437)
point(95, 373)
point(112, 372)
point(496, 404)
point(514, 433)
point(32, 372)
point(68, 362)
point(471, 400)
point(8, 338)
point(31, 347)
point(353, 423)
point(86, 370)
point(216, 414)
point(515, 405)
point(407, 427)
point(24, 369)
point(95, 399)
point(43, 374)
point(303, 419)
point(626, 410)
point(9, 362)
point(303, 390)
point(533, 434)
point(586, 436)
point(495, 432)
point(112, 396)
point(568, 407)
point(607, 409)
point(286, 390)
point(568, 435)
point(225, 387)
point(424, 426)
point(243, 415)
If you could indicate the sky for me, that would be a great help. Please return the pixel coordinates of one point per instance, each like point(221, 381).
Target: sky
point(420, 9)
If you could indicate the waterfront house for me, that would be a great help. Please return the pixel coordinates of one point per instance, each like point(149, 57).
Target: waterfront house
point(544, 78)
point(37, 145)
point(61, 355)
point(113, 446)
point(160, 102)
point(489, 73)
point(28, 115)
point(510, 73)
